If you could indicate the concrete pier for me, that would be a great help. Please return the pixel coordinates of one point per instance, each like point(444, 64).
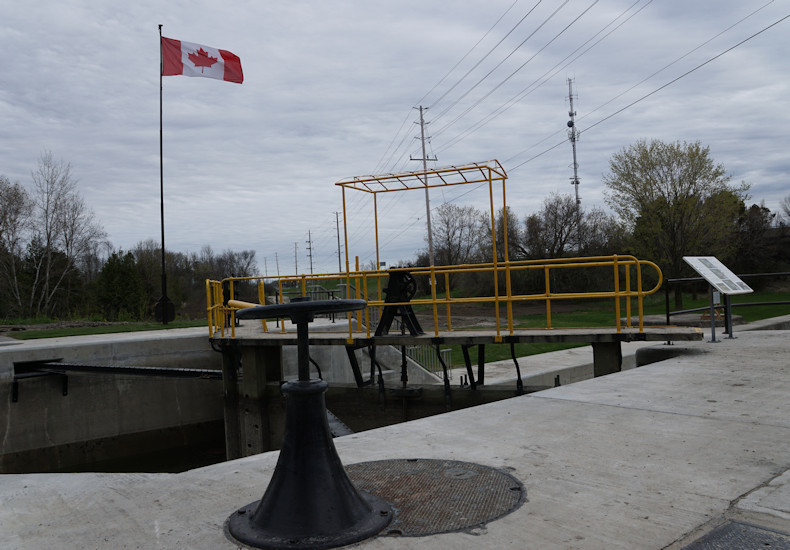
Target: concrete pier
point(654, 457)
point(254, 417)
point(58, 422)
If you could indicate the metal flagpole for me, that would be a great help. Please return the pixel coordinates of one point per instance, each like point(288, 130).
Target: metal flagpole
point(164, 309)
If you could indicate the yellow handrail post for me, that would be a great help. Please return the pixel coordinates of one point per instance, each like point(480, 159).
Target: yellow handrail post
point(209, 309)
point(360, 281)
point(616, 292)
point(508, 288)
point(376, 226)
point(628, 295)
point(640, 301)
point(281, 321)
point(447, 297)
point(262, 300)
point(548, 296)
point(433, 300)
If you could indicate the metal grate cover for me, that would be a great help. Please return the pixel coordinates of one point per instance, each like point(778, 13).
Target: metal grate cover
point(438, 496)
point(742, 536)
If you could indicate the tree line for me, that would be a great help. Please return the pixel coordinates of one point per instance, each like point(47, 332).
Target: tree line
point(56, 260)
point(668, 200)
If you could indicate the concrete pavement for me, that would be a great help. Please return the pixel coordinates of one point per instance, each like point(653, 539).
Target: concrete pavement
point(653, 457)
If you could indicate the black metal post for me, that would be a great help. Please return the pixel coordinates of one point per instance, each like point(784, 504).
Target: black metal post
point(712, 316)
point(310, 501)
point(164, 309)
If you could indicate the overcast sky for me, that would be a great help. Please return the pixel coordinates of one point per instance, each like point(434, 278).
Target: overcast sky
point(330, 90)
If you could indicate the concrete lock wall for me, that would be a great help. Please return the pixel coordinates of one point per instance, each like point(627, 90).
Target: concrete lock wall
point(106, 416)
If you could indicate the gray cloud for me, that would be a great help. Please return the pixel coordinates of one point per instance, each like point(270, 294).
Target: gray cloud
point(328, 85)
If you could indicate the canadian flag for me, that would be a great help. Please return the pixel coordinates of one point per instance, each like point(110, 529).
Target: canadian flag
point(188, 59)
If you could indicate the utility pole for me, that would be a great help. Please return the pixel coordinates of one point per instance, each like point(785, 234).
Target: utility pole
point(277, 262)
point(296, 262)
point(266, 267)
point(425, 160)
point(573, 135)
point(337, 224)
point(310, 250)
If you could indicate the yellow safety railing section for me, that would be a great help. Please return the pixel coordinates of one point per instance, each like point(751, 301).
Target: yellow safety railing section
point(624, 286)
point(510, 282)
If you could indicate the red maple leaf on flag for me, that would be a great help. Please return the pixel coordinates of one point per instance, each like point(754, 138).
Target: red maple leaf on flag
point(201, 58)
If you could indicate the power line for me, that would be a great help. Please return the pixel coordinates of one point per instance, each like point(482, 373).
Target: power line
point(513, 51)
point(686, 73)
point(711, 39)
point(543, 79)
point(422, 99)
point(656, 90)
point(511, 75)
point(380, 165)
point(451, 88)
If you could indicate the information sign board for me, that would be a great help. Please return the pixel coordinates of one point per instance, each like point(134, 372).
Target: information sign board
point(715, 272)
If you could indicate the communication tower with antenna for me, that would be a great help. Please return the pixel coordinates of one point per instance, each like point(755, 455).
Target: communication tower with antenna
point(573, 136)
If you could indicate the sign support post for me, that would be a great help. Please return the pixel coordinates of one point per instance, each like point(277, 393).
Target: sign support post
point(722, 280)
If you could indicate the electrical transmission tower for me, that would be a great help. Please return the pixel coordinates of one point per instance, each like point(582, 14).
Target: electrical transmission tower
point(310, 250)
point(573, 136)
point(425, 160)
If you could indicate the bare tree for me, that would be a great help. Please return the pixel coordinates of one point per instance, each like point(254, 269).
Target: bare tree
point(785, 206)
point(514, 245)
point(550, 233)
point(63, 230)
point(601, 234)
point(456, 233)
point(15, 209)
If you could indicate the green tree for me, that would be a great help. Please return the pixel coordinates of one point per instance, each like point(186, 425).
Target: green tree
point(552, 232)
point(121, 292)
point(759, 240)
point(677, 201)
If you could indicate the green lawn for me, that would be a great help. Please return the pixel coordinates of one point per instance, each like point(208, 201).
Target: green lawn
point(600, 313)
point(31, 334)
point(590, 313)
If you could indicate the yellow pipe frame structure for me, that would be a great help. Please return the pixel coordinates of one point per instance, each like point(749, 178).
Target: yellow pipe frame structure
point(359, 283)
point(221, 317)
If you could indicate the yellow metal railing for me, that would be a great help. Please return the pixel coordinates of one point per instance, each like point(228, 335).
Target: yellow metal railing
point(625, 285)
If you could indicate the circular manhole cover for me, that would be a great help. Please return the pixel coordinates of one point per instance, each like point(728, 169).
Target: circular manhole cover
point(437, 496)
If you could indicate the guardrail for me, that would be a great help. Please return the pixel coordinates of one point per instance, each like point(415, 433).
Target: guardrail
point(727, 302)
point(625, 284)
point(427, 358)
